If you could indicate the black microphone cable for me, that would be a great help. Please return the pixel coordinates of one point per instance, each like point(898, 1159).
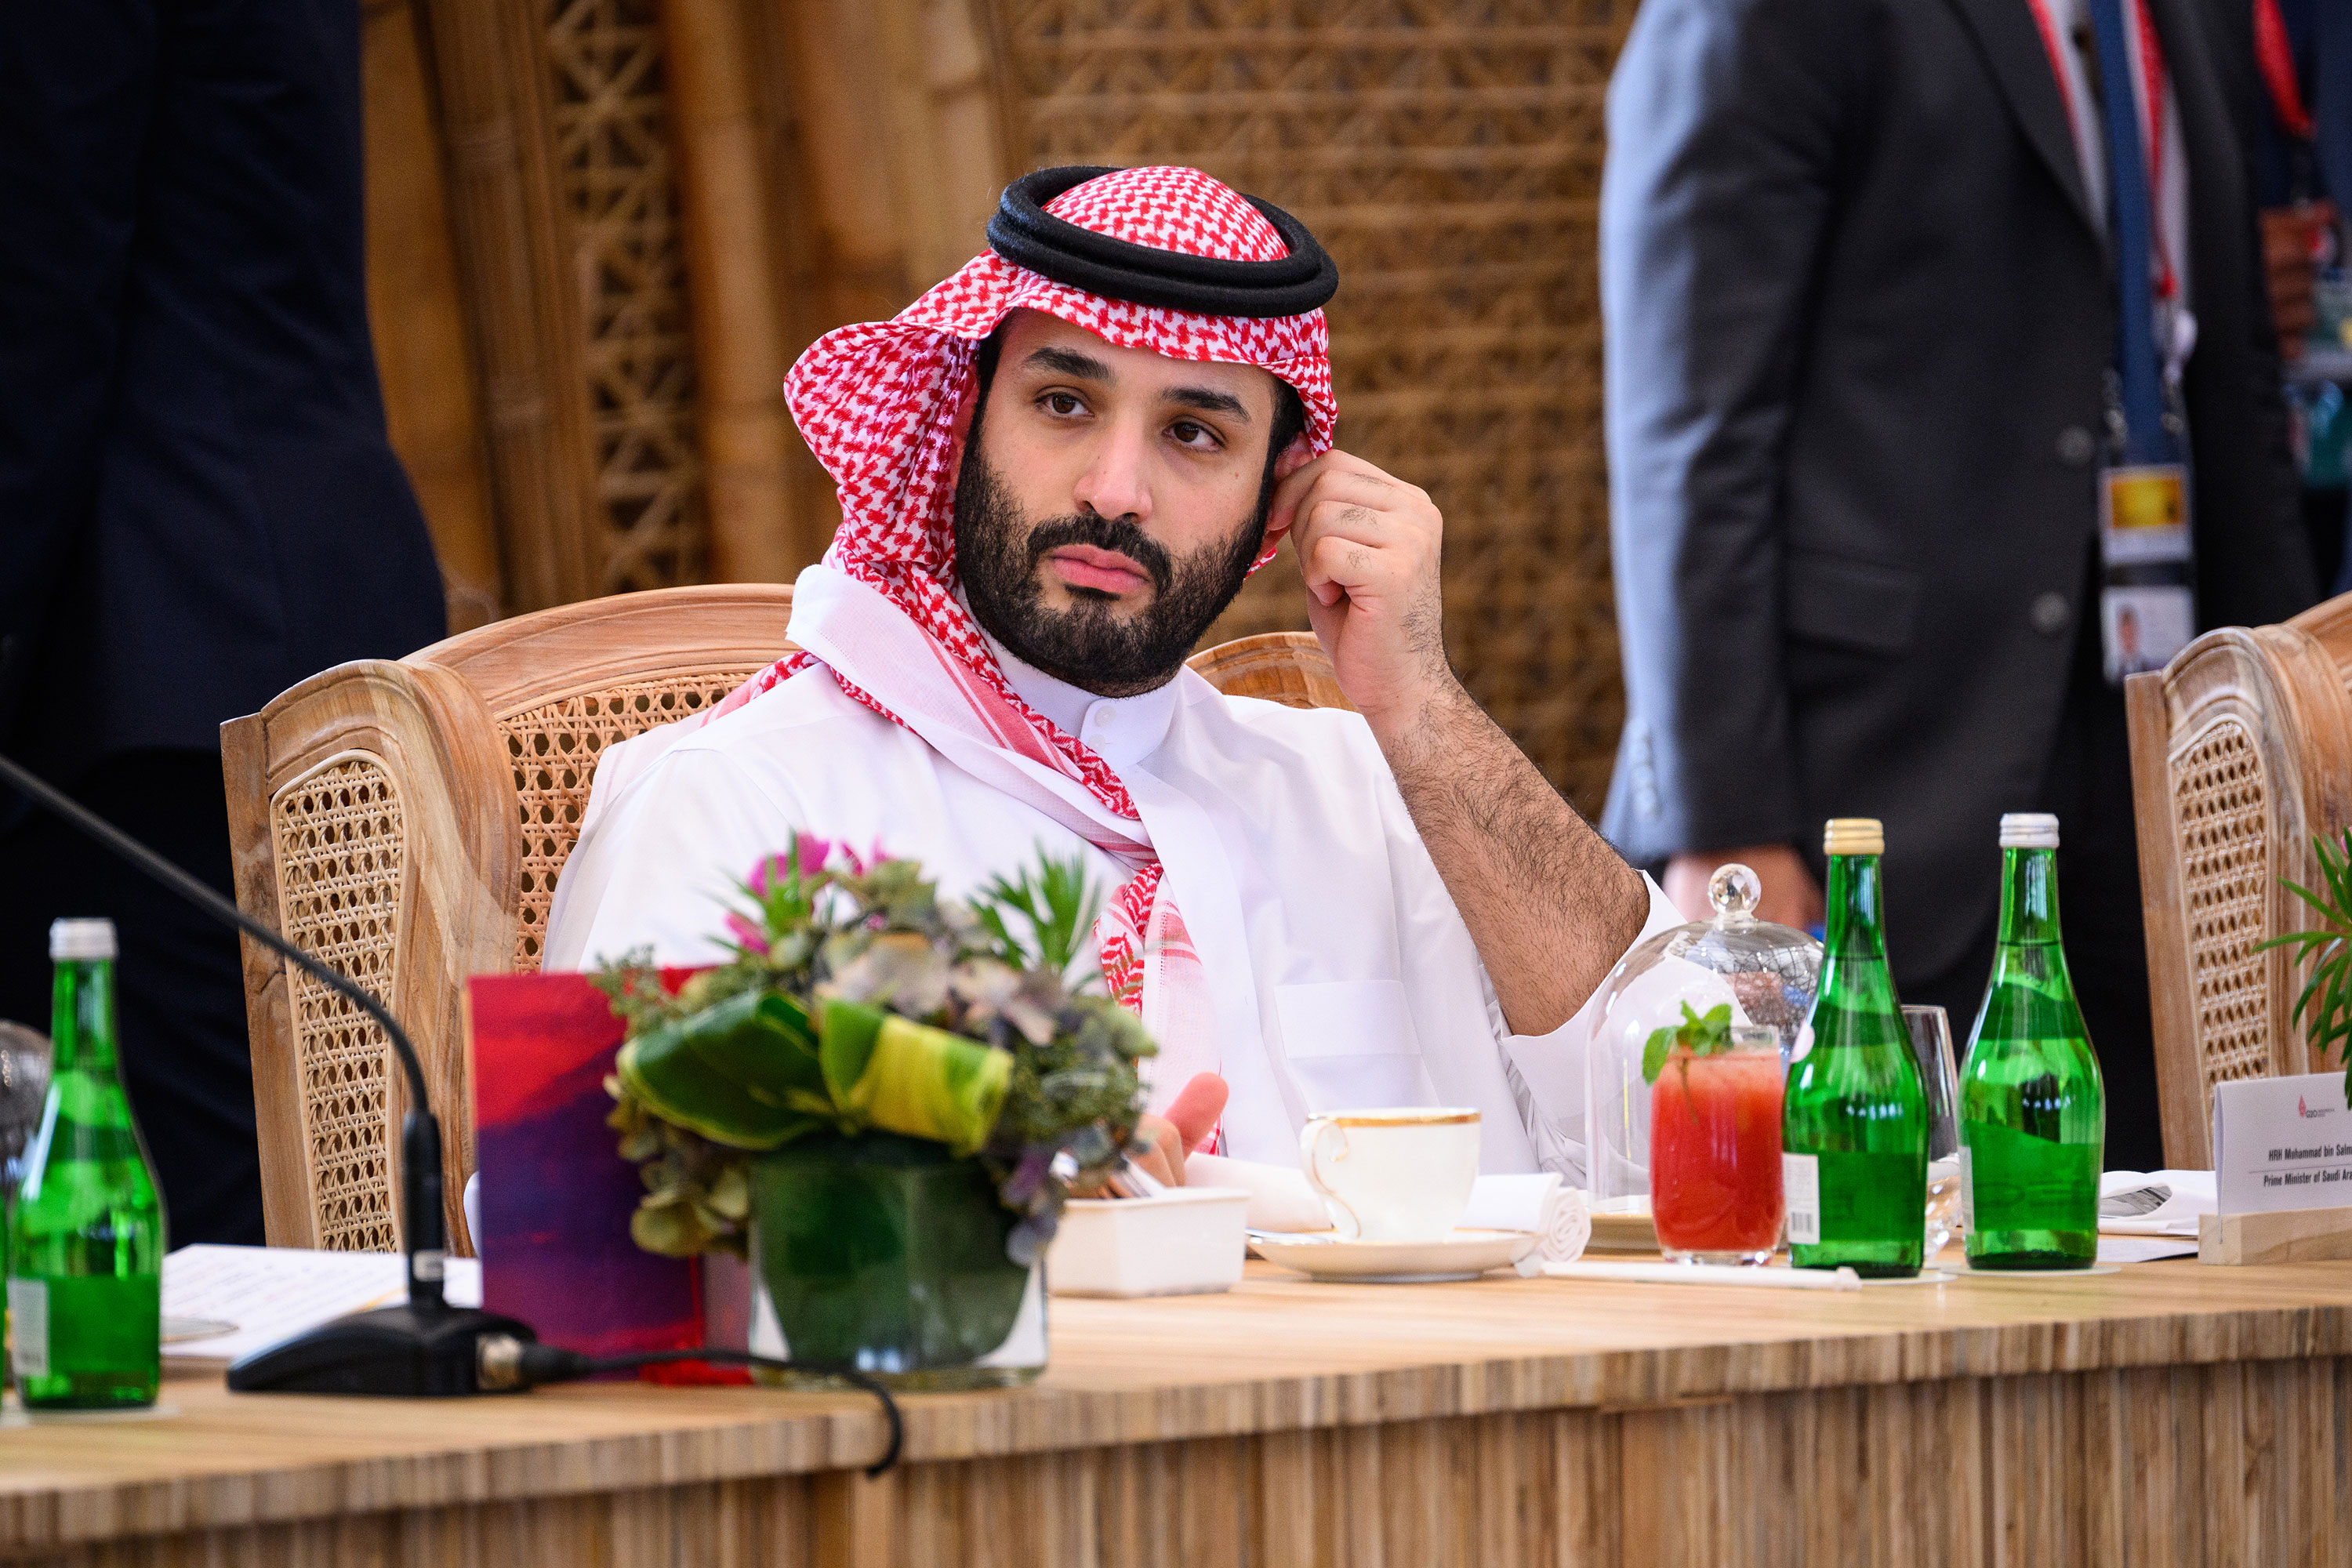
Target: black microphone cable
point(510, 1362)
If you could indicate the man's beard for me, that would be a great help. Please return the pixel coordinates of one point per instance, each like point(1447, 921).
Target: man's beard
point(1089, 644)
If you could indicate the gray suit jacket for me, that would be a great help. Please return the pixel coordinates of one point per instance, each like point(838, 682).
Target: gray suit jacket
point(1858, 323)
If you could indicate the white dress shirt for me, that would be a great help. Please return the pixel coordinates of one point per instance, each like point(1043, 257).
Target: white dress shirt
point(1342, 973)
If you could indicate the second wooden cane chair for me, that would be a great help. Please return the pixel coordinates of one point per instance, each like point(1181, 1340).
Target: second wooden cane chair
point(2242, 751)
point(406, 820)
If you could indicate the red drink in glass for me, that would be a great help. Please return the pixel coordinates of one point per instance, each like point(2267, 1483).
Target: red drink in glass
point(1714, 1155)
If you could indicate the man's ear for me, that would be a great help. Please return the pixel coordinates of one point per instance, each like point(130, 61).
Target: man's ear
point(1295, 456)
point(960, 431)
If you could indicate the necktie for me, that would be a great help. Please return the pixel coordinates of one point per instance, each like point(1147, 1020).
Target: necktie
point(2131, 220)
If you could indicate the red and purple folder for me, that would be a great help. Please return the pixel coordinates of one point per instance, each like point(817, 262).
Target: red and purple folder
point(555, 1196)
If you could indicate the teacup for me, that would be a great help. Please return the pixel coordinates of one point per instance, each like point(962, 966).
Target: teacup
point(1401, 1174)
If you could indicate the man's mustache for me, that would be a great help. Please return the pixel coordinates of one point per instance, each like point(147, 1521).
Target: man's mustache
point(1104, 533)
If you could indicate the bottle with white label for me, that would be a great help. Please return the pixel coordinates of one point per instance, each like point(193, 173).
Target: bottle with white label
point(86, 1236)
point(1853, 1123)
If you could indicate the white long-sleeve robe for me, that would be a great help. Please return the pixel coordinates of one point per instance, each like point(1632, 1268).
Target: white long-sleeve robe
point(1342, 973)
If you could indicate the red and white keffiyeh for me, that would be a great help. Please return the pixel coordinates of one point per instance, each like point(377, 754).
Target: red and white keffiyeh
point(876, 403)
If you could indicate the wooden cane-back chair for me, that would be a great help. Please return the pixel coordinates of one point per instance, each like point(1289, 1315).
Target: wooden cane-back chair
point(406, 821)
point(2242, 751)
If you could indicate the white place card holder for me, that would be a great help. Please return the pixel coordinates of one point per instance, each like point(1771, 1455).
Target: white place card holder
point(2283, 1171)
point(2281, 1143)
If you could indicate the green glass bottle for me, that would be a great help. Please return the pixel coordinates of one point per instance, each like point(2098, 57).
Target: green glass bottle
point(1854, 1123)
point(86, 1238)
point(2033, 1113)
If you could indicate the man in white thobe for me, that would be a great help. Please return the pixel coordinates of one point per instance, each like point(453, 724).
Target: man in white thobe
point(1056, 470)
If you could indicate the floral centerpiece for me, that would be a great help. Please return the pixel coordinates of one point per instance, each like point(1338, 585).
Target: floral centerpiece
point(883, 1100)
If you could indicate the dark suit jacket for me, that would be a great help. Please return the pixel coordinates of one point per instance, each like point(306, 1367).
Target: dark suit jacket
point(197, 504)
point(1859, 319)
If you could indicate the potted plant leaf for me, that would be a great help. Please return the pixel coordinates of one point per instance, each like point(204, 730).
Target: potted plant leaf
point(882, 1101)
point(2323, 1006)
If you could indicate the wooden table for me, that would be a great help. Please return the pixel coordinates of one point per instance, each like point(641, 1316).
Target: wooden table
point(2168, 1413)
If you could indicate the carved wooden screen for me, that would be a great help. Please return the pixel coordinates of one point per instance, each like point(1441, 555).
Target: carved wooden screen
point(618, 185)
point(1448, 153)
point(656, 203)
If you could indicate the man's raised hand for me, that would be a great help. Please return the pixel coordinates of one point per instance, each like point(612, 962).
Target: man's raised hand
point(1369, 545)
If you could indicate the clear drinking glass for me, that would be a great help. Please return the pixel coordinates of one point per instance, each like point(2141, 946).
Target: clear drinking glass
point(1931, 1047)
point(24, 1090)
point(1715, 1152)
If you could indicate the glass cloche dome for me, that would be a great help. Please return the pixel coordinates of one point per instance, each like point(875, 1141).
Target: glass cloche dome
point(1766, 972)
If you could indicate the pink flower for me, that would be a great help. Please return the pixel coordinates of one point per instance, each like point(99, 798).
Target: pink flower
point(776, 868)
point(813, 852)
point(751, 938)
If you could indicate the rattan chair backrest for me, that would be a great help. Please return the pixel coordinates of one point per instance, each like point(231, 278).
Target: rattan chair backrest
point(2242, 749)
point(406, 820)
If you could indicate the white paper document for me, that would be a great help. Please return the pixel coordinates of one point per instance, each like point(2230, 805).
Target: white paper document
point(2154, 1203)
point(2281, 1143)
point(267, 1294)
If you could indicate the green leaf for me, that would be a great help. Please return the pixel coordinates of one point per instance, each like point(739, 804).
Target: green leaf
point(1700, 1037)
point(2324, 1006)
point(760, 1040)
point(664, 1070)
point(1653, 1054)
point(1056, 902)
point(911, 1079)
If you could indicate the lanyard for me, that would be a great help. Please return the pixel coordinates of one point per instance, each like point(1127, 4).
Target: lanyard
point(2152, 100)
point(2275, 54)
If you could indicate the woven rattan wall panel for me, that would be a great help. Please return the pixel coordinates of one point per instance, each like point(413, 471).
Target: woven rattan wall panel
point(1448, 153)
point(339, 838)
point(2222, 801)
point(619, 191)
point(555, 749)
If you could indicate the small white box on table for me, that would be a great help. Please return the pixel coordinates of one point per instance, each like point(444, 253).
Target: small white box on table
point(1185, 1241)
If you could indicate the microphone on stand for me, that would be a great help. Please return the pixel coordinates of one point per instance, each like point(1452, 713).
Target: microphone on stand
point(423, 1346)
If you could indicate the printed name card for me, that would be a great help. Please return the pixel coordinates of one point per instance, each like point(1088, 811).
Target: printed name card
point(2281, 1143)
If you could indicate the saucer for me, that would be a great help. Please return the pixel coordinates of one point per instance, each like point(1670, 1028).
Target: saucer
point(1464, 1255)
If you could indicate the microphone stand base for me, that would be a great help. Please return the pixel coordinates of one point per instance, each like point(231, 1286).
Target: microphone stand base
point(404, 1352)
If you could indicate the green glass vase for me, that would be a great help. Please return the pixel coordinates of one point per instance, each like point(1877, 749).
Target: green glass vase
point(886, 1254)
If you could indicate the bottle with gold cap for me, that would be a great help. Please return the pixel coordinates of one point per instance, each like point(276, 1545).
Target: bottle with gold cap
point(2033, 1116)
point(1853, 1121)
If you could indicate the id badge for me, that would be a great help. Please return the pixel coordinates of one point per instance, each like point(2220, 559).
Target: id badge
point(2144, 514)
point(2147, 611)
point(2142, 626)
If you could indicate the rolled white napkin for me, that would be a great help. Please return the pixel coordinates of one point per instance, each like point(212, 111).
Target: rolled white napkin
point(1280, 1199)
point(1557, 1214)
